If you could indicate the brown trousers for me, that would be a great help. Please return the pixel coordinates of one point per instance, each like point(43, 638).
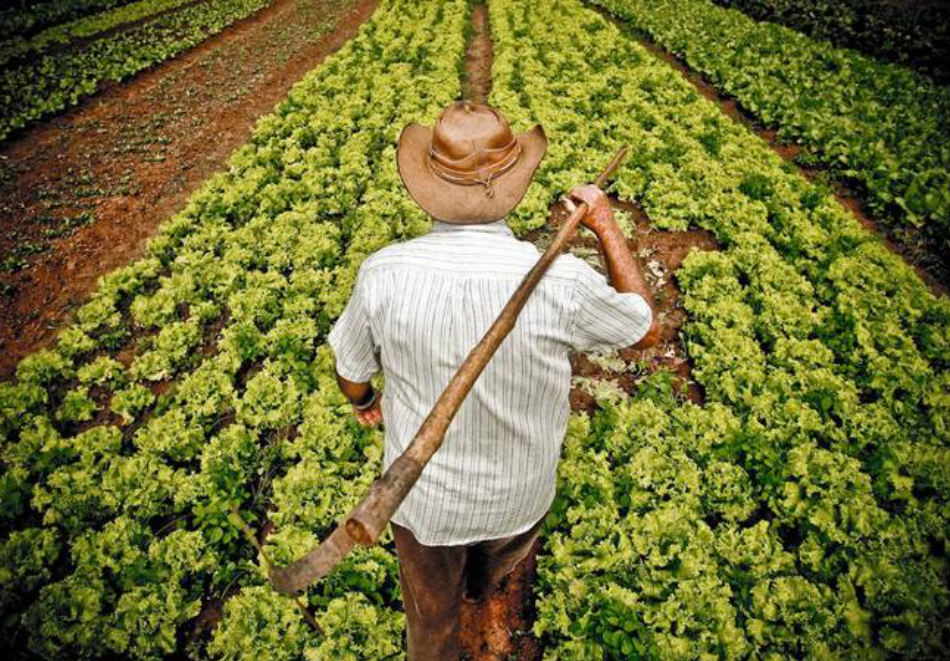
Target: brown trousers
point(433, 579)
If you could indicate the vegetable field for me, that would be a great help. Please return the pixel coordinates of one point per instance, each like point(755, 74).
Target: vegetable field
point(799, 508)
point(40, 79)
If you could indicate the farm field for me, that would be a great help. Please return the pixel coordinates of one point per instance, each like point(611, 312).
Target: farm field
point(873, 123)
point(81, 193)
point(39, 79)
point(769, 482)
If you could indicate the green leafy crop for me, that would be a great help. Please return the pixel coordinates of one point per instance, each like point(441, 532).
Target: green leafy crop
point(880, 125)
point(803, 511)
point(197, 379)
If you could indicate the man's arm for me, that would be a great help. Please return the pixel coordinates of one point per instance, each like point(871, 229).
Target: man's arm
point(355, 352)
point(623, 269)
point(365, 399)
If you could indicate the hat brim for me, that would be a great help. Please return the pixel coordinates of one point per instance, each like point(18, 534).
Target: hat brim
point(461, 204)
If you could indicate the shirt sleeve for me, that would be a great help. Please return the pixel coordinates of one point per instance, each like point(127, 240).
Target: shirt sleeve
point(354, 346)
point(605, 319)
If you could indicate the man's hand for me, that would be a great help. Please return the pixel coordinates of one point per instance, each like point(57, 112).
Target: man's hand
point(358, 393)
point(599, 218)
point(371, 416)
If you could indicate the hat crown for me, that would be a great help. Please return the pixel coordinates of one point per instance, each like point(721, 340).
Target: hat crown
point(470, 137)
point(469, 167)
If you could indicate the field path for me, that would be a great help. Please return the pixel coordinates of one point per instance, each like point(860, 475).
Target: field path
point(499, 628)
point(81, 193)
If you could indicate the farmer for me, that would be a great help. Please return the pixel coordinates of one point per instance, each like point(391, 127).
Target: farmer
point(417, 309)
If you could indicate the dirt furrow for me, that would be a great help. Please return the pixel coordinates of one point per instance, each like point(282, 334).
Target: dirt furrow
point(476, 83)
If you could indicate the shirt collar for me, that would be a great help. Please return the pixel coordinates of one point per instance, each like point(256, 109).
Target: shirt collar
point(495, 227)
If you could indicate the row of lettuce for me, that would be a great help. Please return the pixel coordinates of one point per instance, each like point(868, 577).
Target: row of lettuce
point(197, 379)
point(24, 19)
point(20, 46)
point(804, 511)
point(914, 34)
point(44, 76)
point(880, 125)
point(801, 513)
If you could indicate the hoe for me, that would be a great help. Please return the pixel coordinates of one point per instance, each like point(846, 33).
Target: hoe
point(367, 520)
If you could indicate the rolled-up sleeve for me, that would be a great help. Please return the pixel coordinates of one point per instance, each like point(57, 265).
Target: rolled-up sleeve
point(605, 319)
point(354, 346)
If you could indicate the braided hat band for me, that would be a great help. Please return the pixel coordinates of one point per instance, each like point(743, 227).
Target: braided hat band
point(501, 159)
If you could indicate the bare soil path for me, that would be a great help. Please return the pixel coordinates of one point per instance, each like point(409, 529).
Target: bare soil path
point(476, 83)
point(81, 194)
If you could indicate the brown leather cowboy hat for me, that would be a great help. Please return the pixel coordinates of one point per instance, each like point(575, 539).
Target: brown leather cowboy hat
point(469, 168)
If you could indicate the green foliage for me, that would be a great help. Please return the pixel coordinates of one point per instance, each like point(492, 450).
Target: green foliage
point(58, 35)
point(77, 406)
point(361, 631)
point(210, 353)
point(128, 402)
point(22, 21)
point(800, 513)
point(877, 124)
point(258, 623)
point(41, 80)
point(269, 402)
point(914, 34)
point(25, 561)
point(769, 523)
point(128, 593)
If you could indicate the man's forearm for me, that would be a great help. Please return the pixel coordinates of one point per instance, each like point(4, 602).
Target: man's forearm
point(358, 393)
point(365, 400)
point(624, 271)
point(626, 276)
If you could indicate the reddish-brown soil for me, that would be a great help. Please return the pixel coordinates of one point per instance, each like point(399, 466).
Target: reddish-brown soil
point(660, 254)
point(476, 83)
point(907, 243)
point(499, 627)
point(83, 192)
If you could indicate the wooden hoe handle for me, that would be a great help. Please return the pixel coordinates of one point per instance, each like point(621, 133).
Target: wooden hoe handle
point(366, 521)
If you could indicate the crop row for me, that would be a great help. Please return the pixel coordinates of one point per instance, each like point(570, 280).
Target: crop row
point(24, 21)
point(878, 124)
point(18, 46)
point(196, 379)
point(914, 35)
point(45, 84)
point(803, 511)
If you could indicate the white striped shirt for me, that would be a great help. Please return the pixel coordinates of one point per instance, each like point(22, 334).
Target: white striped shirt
point(417, 309)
